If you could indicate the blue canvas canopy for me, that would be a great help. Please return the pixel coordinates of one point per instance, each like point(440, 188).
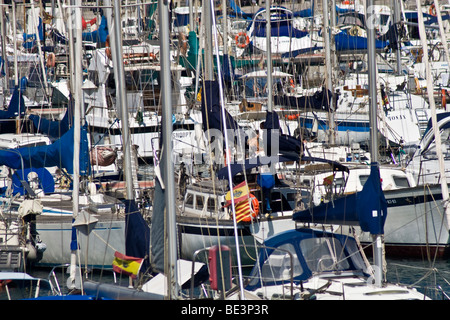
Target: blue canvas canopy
point(344, 41)
point(286, 143)
point(211, 109)
point(16, 106)
point(46, 181)
point(137, 234)
point(367, 208)
point(59, 154)
point(54, 128)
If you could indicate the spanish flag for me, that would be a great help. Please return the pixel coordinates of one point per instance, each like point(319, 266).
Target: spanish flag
point(240, 193)
point(126, 265)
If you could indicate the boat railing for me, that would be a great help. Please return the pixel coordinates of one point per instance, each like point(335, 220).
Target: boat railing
point(289, 278)
point(54, 277)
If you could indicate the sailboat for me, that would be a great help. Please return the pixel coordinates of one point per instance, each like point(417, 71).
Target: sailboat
point(286, 37)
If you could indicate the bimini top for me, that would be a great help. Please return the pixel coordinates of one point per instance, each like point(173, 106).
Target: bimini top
point(299, 253)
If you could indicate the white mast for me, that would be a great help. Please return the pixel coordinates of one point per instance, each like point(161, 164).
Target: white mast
point(169, 178)
point(269, 58)
point(77, 83)
point(328, 77)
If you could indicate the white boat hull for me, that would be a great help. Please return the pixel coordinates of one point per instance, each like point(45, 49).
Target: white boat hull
point(97, 250)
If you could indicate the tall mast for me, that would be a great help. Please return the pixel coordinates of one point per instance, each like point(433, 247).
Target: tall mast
point(269, 58)
point(77, 83)
point(115, 26)
point(326, 37)
point(169, 178)
point(373, 106)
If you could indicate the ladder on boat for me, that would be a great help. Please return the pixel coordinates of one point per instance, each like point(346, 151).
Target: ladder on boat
point(134, 170)
point(422, 120)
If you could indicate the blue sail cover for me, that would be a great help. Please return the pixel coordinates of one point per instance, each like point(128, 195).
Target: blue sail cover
point(54, 128)
point(46, 181)
point(227, 68)
point(16, 106)
point(282, 28)
point(320, 100)
point(158, 226)
point(59, 154)
point(286, 143)
point(211, 109)
point(367, 208)
point(137, 234)
point(343, 42)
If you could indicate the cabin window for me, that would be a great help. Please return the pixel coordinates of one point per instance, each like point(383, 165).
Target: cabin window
point(199, 200)
point(211, 205)
point(278, 265)
point(401, 182)
point(324, 254)
point(339, 183)
point(291, 196)
point(363, 179)
point(189, 202)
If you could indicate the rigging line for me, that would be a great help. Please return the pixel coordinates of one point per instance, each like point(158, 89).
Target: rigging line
point(245, 246)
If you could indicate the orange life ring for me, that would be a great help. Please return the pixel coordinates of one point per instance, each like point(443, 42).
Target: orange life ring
point(432, 10)
point(247, 209)
point(51, 60)
point(242, 40)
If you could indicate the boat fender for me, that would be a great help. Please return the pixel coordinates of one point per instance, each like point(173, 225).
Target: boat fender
point(432, 10)
point(418, 90)
point(444, 98)
point(183, 43)
point(242, 40)
point(108, 48)
point(51, 60)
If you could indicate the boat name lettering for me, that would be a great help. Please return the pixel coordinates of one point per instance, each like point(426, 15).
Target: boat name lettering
point(181, 134)
point(399, 117)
